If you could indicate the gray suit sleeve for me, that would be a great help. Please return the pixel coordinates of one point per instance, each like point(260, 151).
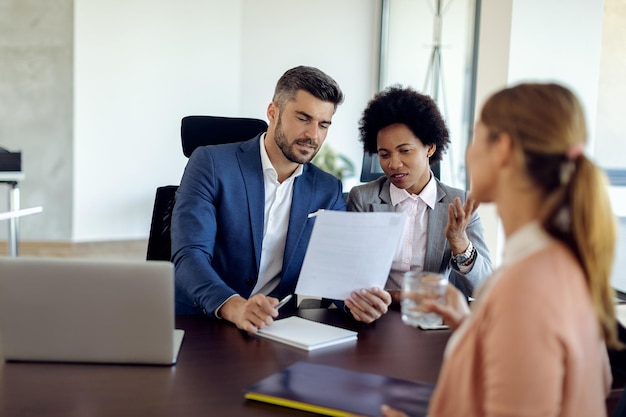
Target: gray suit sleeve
point(482, 267)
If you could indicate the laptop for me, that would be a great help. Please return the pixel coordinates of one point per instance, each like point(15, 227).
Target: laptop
point(92, 311)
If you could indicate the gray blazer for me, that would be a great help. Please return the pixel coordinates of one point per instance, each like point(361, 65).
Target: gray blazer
point(375, 196)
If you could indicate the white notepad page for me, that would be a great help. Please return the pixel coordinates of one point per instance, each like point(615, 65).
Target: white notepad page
point(306, 334)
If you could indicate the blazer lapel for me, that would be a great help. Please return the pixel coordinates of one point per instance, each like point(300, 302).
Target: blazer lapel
point(384, 196)
point(303, 190)
point(436, 237)
point(249, 157)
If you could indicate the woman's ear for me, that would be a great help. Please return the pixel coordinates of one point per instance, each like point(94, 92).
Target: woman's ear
point(503, 149)
point(432, 148)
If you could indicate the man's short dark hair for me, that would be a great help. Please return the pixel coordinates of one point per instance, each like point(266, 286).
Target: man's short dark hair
point(309, 79)
point(417, 111)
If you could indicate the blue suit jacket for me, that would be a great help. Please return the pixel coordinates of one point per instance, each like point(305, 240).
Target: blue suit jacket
point(217, 225)
point(375, 196)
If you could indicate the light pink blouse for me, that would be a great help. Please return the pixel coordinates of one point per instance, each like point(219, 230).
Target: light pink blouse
point(532, 345)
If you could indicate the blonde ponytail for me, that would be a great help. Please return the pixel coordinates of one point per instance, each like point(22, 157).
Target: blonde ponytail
point(593, 230)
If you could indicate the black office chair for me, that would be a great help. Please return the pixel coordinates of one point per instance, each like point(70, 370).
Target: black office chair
point(195, 131)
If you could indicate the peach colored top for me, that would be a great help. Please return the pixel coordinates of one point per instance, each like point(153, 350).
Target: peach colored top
point(531, 346)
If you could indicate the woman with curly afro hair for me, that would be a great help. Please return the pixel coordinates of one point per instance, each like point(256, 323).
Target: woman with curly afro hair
point(443, 232)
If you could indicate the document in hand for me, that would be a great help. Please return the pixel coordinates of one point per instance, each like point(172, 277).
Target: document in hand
point(334, 391)
point(349, 251)
point(306, 334)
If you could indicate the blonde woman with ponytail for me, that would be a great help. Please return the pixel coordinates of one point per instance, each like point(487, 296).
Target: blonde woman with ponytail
point(535, 341)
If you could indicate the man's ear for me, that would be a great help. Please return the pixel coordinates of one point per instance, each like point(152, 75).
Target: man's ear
point(272, 112)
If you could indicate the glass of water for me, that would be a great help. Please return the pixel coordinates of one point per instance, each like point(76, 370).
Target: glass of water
point(417, 287)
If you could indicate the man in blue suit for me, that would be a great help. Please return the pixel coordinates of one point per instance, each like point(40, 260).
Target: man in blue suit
point(240, 225)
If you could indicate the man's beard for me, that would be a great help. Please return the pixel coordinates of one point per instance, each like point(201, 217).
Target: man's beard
point(288, 148)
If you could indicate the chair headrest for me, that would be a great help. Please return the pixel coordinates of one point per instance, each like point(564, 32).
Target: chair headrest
point(213, 130)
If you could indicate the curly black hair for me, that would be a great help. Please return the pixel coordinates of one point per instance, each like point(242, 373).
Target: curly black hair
point(417, 111)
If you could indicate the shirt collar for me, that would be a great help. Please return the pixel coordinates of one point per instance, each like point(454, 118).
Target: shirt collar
point(267, 166)
point(428, 194)
point(526, 240)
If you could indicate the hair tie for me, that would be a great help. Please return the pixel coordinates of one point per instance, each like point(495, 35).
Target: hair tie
point(575, 151)
point(567, 169)
point(563, 219)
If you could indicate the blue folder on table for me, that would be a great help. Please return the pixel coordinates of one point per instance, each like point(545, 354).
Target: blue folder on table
point(333, 391)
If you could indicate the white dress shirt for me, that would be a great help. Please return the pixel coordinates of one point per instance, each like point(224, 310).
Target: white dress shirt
point(412, 248)
point(278, 198)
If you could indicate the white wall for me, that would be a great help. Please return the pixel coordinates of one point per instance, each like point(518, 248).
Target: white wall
point(493, 68)
point(141, 65)
point(339, 37)
point(544, 40)
point(559, 40)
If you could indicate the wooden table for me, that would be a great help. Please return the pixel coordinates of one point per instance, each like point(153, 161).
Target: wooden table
point(215, 364)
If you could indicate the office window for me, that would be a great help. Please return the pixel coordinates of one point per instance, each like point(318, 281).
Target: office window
point(430, 46)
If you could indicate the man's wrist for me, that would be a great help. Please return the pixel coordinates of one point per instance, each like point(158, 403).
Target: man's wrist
point(219, 311)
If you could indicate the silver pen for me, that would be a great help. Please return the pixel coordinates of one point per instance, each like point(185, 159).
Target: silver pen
point(284, 301)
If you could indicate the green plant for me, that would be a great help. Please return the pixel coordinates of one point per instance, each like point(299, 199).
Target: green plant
point(334, 163)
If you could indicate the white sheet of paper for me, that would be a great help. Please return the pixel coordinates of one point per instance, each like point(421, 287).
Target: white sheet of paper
point(349, 251)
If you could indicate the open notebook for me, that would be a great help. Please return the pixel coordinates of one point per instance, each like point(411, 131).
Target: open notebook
point(71, 310)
